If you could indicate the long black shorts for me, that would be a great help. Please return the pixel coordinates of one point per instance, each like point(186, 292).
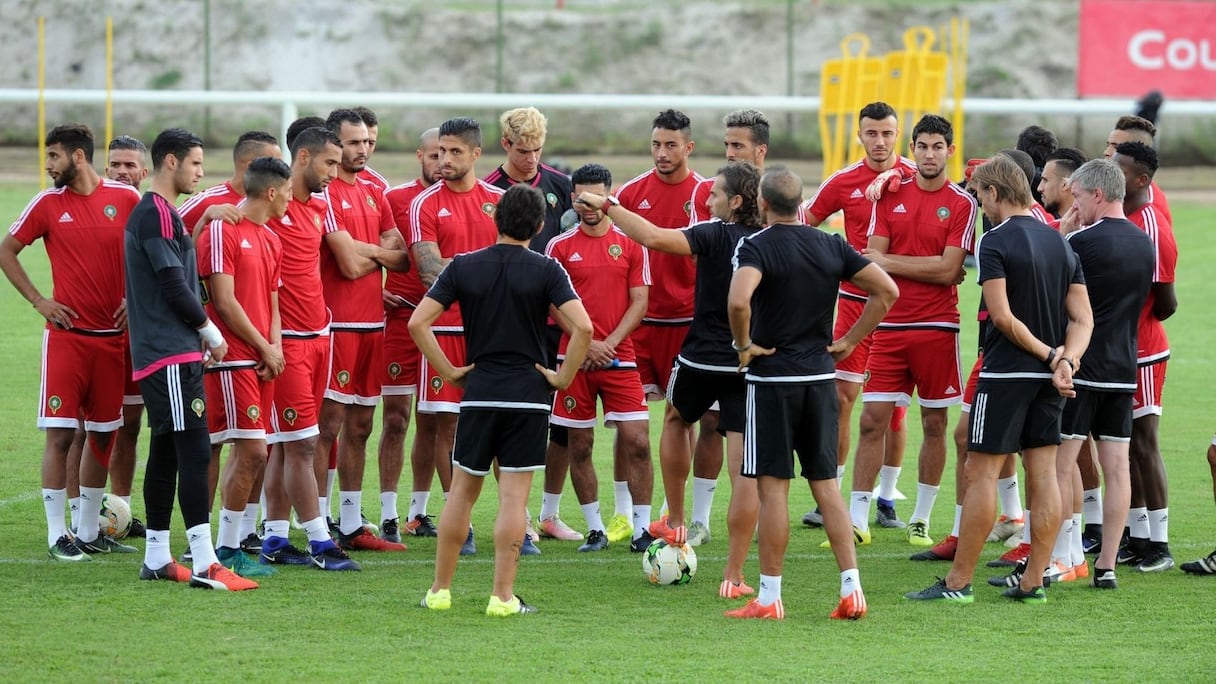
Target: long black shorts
point(174, 398)
point(788, 418)
point(1105, 415)
point(692, 391)
point(1008, 416)
point(516, 439)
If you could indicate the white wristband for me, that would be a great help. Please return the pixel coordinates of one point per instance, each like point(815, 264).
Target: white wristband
point(210, 334)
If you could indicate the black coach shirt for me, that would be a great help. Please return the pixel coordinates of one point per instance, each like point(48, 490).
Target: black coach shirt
point(1038, 267)
point(504, 293)
point(557, 189)
point(1118, 260)
point(793, 305)
point(707, 344)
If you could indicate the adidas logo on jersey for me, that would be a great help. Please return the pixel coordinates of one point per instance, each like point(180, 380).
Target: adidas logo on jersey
point(644, 205)
point(66, 218)
point(576, 257)
point(346, 205)
point(245, 244)
point(443, 212)
point(951, 390)
point(856, 194)
point(899, 209)
point(286, 220)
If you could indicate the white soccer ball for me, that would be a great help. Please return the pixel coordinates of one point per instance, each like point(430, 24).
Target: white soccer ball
point(115, 518)
point(666, 564)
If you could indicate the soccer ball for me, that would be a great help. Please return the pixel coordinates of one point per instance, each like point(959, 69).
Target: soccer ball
point(665, 564)
point(115, 518)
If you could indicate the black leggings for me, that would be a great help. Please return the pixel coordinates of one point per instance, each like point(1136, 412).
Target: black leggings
point(177, 459)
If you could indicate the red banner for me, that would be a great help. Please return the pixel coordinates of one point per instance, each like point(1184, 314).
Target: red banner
point(1128, 47)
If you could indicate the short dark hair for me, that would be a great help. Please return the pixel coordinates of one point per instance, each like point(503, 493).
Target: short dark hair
point(314, 139)
point(368, 116)
point(782, 189)
point(520, 212)
point(877, 111)
point(1136, 123)
point(72, 137)
point(1023, 160)
point(1068, 158)
point(1143, 156)
point(673, 120)
point(173, 141)
point(1038, 142)
point(743, 179)
point(591, 174)
point(299, 125)
point(126, 142)
point(463, 127)
point(263, 173)
point(932, 124)
point(251, 142)
point(751, 119)
point(340, 116)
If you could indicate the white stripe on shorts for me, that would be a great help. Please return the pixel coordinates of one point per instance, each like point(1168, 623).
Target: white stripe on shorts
point(978, 409)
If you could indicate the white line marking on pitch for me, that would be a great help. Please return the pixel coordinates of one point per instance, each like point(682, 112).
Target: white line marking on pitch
point(20, 498)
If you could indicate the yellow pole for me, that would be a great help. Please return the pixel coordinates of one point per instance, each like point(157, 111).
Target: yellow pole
point(41, 99)
point(109, 79)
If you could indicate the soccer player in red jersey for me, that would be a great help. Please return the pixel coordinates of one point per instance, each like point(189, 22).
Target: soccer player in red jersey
point(1141, 130)
point(239, 265)
point(452, 216)
point(81, 221)
point(1150, 493)
point(920, 238)
point(662, 196)
point(611, 274)
point(362, 239)
point(402, 292)
point(220, 201)
point(373, 132)
point(844, 191)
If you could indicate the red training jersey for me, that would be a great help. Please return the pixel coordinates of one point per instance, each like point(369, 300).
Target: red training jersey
point(251, 254)
point(359, 209)
point(83, 236)
point(374, 177)
point(924, 223)
point(666, 205)
point(458, 222)
point(1152, 345)
point(602, 270)
point(301, 294)
point(194, 206)
point(406, 285)
point(1157, 198)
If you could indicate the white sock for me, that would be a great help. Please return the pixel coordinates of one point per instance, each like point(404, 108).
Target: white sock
point(90, 510)
point(388, 505)
point(1076, 551)
point(591, 513)
point(550, 504)
point(278, 528)
point(641, 520)
point(1010, 496)
point(1026, 526)
point(330, 476)
point(1091, 506)
point(349, 505)
point(201, 549)
point(1063, 548)
point(157, 553)
point(316, 529)
point(249, 520)
point(1137, 520)
point(74, 510)
point(624, 499)
point(926, 496)
point(54, 500)
point(418, 502)
point(888, 479)
point(839, 475)
point(859, 509)
point(850, 581)
point(262, 503)
point(323, 506)
point(958, 520)
point(770, 589)
point(126, 499)
point(663, 508)
point(1159, 525)
point(229, 534)
point(702, 499)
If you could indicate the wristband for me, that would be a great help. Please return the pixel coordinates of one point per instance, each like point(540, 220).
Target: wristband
point(740, 348)
point(1071, 363)
point(210, 334)
point(1051, 355)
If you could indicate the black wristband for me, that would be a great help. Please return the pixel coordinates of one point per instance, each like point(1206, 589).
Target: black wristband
point(1051, 355)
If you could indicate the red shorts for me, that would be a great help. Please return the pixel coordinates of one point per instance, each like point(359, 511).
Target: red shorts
point(355, 371)
point(298, 389)
point(81, 377)
point(237, 401)
point(130, 393)
point(619, 389)
point(400, 360)
point(434, 394)
point(972, 381)
point(926, 361)
point(853, 367)
point(656, 348)
point(1150, 384)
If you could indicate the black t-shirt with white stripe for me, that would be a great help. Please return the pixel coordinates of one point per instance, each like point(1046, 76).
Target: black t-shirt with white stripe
point(707, 344)
point(1038, 267)
point(792, 307)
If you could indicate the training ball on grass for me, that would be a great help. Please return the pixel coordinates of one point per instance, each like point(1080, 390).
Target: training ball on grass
point(666, 564)
point(115, 518)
